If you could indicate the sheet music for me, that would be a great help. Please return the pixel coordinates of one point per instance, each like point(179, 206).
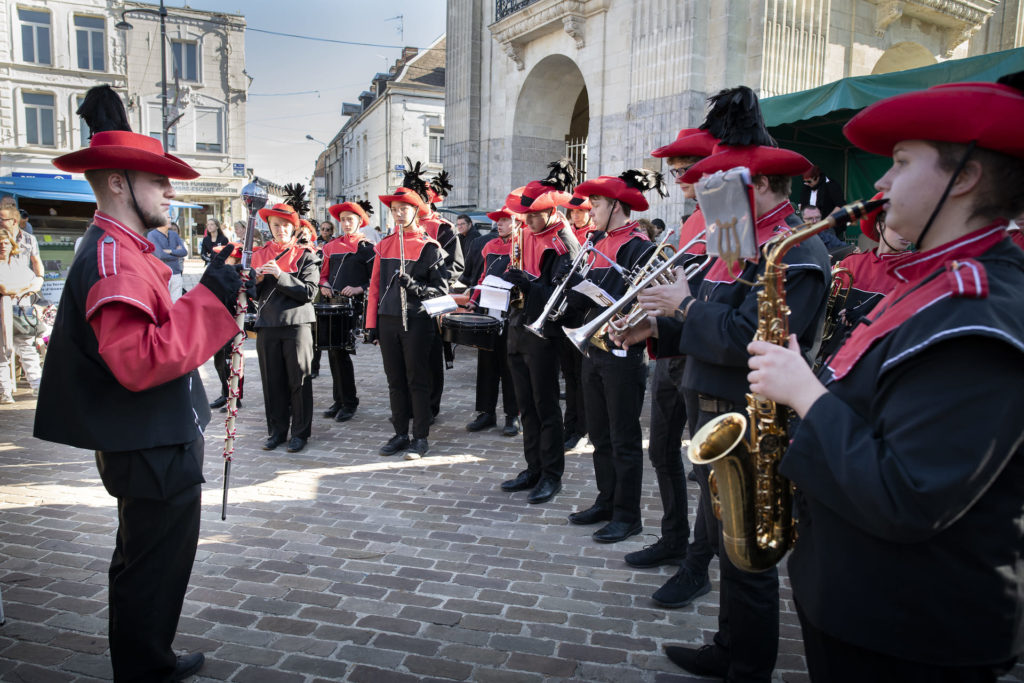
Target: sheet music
point(725, 200)
point(439, 305)
point(596, 294)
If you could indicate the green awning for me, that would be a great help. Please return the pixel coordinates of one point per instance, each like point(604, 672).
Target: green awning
point(811, 121)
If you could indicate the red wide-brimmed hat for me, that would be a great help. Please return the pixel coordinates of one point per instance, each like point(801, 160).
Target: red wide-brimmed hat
point(691, 142)
point(351, 207)
point(614, 188)
point(760, 159)
point(536, 196)
point(869, 224)
point(406, 196)
point(577, 201)
point(285, 211)
point(988, 114)
point(122, 149)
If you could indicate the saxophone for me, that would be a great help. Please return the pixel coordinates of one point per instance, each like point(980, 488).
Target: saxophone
point(515, 260)
point(748, 494)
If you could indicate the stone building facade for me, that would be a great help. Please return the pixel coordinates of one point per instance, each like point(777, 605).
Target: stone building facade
point(401, 117)
point(53, 51)
point(529, 79)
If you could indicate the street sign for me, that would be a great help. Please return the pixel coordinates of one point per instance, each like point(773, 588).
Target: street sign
point(399, 167)
point(238, 170)
point(56, 176)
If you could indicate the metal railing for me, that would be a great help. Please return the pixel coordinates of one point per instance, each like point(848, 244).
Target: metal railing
point(503, 8)
point(576, 150)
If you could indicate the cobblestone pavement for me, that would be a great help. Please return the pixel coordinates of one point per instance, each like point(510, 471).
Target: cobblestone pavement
point(338, 564)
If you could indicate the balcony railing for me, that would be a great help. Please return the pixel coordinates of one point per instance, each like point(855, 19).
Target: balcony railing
point(503, 8)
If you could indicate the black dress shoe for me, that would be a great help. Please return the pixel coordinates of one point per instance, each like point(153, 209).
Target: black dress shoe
point(333, 410)
point(544, 491)
point(708, 660)
point(238, 406)
point(512, 426)
point(187, 665)
point(219, 401)
point(658, 553)
point(592, 515)
point(524, 480)
point(344, 415)
point(273, 442)
point(399, 442)
point(417, 449)
point(572, 440)
point(296, 444)
point(682, 589)
point(482, 421)
point(613, 532)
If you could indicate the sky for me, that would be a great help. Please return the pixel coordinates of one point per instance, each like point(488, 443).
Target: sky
point(299, 84)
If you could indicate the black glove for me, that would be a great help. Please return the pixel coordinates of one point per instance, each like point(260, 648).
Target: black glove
point(517, 277)
point(564, 265)
point(404, 280)
point(577, 301)
point(370, 336)
point(223, 280)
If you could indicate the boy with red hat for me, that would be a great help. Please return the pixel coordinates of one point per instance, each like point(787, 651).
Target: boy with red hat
point(713, 329)
point(400, 324)
point(615, 381)
point(669, 414)
point(492, 366)
point(121, 379)
point(345, 275)
point(287, 275)
point(548, 246)
point(909, 457)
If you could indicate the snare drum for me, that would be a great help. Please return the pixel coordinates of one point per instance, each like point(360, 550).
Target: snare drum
point(336, 325)
point(471, 329)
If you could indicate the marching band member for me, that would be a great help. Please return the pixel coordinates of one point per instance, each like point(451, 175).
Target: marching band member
point(548, 245)
point(870, 275)
point(713, 330)
point(286, 275)
point(615, 384)
point(570, 360)
point(397, 321)
point(345, 272)
point(909, 456)
point(492, 366)
point(129, 357)
point(669, 414)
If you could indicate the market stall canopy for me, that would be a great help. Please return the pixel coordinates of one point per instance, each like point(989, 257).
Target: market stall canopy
point(59, 189)
point(811, 121)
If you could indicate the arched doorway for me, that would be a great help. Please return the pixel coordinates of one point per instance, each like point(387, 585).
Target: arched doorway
point(552, 119)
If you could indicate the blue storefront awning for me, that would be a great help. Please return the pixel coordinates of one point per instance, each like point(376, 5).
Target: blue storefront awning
point(60, 189)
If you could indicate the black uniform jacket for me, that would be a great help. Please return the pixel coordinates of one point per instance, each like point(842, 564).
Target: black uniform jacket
point(424, 263)
point(348, 262)
point(495, 257)
point(444, 233)
point(723, 319)
point(910, 470)
point(288, 300)
point(543, 253)
point(474, 260)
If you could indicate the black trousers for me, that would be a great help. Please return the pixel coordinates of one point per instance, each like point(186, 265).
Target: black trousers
point(571, 362)
point(704, 542)
point(831, 660)
point(158, 510)
point(668, 419)
point(615, 389)
point(344, 379)
point(222, 364)
point(491, 370)
point(748, 614)
point(407, 357)
point(286, 359)
point(533, 364)
point(436, 363)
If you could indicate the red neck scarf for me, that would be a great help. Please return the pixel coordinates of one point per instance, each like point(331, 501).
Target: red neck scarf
point(287, 255)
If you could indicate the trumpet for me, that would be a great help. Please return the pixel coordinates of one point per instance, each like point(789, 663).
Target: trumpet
point(515, 260)
point(554, 307)
point(656, 270)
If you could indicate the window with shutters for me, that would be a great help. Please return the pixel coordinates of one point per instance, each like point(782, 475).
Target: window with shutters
point(156, 128)
point(90, 33)
point(186, 60)
point(39, 117)
point(436, 143)
point(35, 36)
point(209, 137)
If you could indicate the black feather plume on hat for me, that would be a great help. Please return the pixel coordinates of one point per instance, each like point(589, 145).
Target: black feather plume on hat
point(414, 178)
point(645, 180)
point(735, 119)
point(103, 110)
point(440, 184)
point(295, 197)
point(563, 176)
point(366, 206)
point(1014, 80)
